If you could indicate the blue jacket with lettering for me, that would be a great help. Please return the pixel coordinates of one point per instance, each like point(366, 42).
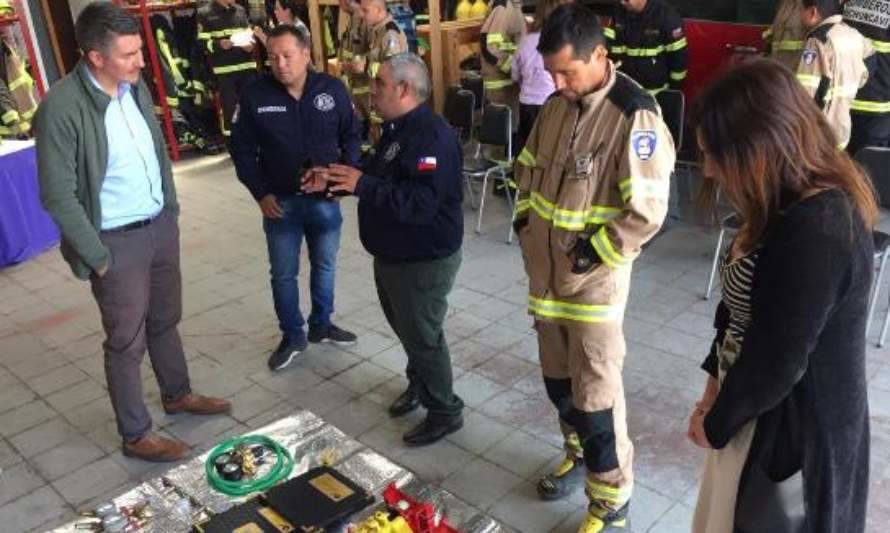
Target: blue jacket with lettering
point(275, 137)
point(411, 193)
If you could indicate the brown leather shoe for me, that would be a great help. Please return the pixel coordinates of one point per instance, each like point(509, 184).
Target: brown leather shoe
point(156, 449)
point(198, 405)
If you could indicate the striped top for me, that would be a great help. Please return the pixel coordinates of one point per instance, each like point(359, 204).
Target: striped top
point(738, 276)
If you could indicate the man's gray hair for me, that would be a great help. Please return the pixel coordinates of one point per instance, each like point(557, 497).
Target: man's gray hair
point(408, 68)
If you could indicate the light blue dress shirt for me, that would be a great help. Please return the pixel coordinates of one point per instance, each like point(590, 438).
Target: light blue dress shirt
point(132, 189)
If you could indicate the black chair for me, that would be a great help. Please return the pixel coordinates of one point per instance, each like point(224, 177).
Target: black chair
point(495, 132)
point(459, 112)
point(876, 162)
point(475, 85)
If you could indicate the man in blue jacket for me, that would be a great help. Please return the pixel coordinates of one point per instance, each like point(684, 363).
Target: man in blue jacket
point(411, 220)
point(285, 124)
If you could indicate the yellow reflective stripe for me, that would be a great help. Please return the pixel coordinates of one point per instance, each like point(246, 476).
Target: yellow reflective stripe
point(10, 116)
point(615, 495)
point(657, 90)
point(373, 68)
point(526, 158)
point(626, 188)
point(174, 64)
point(619, 49)
point(563, 468)
point(870, 107)
point(234, 68)
point(573, 444)
point(361, 90)
point(521, 207)
point(203, 36)
point(28, 114)
point(375, 118)
point(843, 91)
point(21, 81)
point(507, 65)
point(641, 187)
point(24, 127)
point(571, 311)
point(494, 38)
point(507, 46)
point(679, 44)
point(609, 33)
point(788, 46)
point(346, 54)
point(678, 76)
point(809, 80)
point(605, 250)
point(172, 101)
point(880, 46)
point(647, 52)
point(568, 219)
point(497, 84)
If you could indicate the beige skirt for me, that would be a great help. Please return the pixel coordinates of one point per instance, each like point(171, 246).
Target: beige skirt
point(715, 509)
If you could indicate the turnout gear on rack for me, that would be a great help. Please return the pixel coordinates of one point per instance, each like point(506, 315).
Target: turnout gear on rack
point(6, 8)
point(870, 110)
point(500, 35)
point(596, 170)
point(832, 69)
point(10, 121)
point(21, 91)
point(650, 46)
point(784, 38)
point(231, 68)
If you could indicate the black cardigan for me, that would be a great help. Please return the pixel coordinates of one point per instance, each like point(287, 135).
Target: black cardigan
point(801, 370)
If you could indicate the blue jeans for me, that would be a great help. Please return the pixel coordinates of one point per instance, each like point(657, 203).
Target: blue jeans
point(319, 221)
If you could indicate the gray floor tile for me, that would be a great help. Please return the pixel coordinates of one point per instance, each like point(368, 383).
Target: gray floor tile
point(55, 380)
point(68, 456)
point(43, 437)
point(475, 390)
point(356, 417)
point(93, 480)
point(25, 417)
point(435, 462)
point(8, 455)
point(15, 396)
point(506, 370)
point(323, 398)
point(196, 430)
point(677, 520)
point(252, 402)
point(481, 482)
point(76, 395)
point(18, 481)
point(521, 454)
point(523, 510)
point(36, 508)
point(479, 432)
point(363, 377)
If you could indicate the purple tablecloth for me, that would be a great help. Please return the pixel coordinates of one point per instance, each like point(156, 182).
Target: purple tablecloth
point(25, 228)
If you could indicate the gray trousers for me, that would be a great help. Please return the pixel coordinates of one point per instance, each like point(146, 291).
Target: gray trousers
point(140, 299)
point(414, 299)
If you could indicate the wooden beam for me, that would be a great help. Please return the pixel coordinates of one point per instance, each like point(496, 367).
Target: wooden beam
point(436, 55)
point(317, 31)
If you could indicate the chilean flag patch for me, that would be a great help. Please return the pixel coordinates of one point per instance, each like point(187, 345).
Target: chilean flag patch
point(426, 163)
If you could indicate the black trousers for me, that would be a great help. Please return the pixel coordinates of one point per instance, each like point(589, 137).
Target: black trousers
point(527, 115)
point(414, 299)
point(230, 86)
point(868, 130)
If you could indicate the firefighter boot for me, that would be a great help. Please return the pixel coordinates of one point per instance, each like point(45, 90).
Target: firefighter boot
point(568, 475)
point(601, 519)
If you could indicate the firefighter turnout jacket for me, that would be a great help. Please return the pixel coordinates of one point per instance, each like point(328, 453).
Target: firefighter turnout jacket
point(784, 38)
point(19, 100)
point(385, 39)
point(872, 103)
point(651, 45)
point(832, 69)
point(593, 180)
point(354, 43)
point(216, 23)
point(499, 39)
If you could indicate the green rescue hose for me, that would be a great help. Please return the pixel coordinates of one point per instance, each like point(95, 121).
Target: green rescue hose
point(279, 471)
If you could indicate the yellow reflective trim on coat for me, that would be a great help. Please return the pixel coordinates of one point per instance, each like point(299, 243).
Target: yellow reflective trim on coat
point(568, 219)
point(678, 76)
point(26, 115)
point(506, 65)
point(494, 38)
point(572, 311)
point(526, 158)
point(657, 90)
point(866, 106)
point(573, 444)
point(521, 207)
point(882, 47)
point(788, 46)
point(609, 33)
point(809, 80)
point(228, 69)
point(645, 52)
point(357, 91)
point(10, 116)
point(679, 44)
point(373, 69)
point(496, 84)
point(619, 49)
point(605, 250)
point(21, 81)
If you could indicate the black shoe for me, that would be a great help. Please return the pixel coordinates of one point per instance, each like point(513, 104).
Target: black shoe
point(405, 403)
point(430, 431)
point(285, 353)
point(333, 334)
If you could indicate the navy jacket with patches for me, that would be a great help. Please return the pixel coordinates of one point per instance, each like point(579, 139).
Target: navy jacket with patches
point(411, 193)
point(275, 136)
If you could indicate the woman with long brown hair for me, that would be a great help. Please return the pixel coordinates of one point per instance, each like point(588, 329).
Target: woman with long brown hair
point(784, 415)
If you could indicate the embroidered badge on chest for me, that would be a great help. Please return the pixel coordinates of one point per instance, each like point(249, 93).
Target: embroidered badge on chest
point(583, 164)
point(324, 102)
point(643, 143)
point(391, 152)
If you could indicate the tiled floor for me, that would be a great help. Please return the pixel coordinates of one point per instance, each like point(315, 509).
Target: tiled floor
point(59, 451)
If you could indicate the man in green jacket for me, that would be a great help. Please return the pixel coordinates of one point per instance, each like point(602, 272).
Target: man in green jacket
point(107, 182)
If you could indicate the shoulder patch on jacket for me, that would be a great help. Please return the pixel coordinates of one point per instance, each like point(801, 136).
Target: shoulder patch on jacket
point(821, 33)
point(392, 26)
point(628, 96)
